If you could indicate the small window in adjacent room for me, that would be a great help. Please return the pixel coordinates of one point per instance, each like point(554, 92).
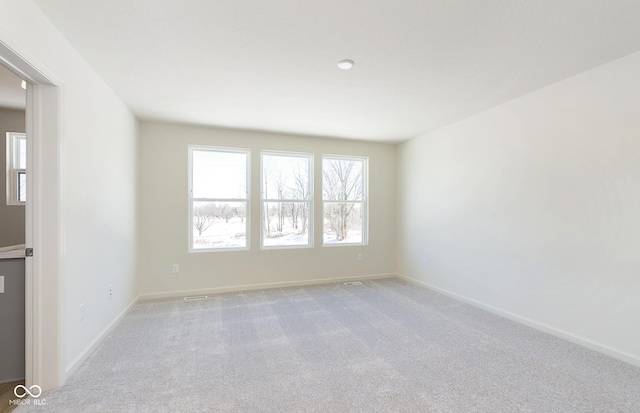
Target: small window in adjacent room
point(344, 200)
point(219, 198)
point(16, 168)
point(286, 199)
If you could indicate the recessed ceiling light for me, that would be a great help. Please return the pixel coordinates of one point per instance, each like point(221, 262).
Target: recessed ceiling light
point(345, 64)
point(24, 84)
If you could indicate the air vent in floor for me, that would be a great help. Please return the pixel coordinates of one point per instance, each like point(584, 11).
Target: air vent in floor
point(195, 297)
point(353, 283)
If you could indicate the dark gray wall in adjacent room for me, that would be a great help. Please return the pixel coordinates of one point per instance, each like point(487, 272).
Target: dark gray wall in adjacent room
point(11, 216)
point(12, 315)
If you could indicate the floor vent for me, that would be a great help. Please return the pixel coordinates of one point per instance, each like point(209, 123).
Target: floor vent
point(195, 297)
point(353, 283)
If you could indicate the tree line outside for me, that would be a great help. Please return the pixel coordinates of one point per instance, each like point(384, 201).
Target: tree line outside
point(286, 199)
point(205, 214)
point(286, 205)
point(219, 190)
point(343, 195)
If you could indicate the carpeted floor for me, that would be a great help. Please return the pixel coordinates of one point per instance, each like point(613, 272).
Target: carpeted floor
point(384, 346)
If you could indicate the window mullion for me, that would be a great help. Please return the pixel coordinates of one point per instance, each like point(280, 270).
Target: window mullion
point(285, 200)
point(219, 199)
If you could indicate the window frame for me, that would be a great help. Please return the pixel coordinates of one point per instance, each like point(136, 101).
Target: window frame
point(309, 201)
point(246, 200)
point(364, 202)
point(13, 172)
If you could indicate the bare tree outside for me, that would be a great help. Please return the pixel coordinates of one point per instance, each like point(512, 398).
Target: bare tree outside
point(204, 215)
point(301, 190)
point(279, 179)
point(227, 212)
point(343, 195)
point(286, 199)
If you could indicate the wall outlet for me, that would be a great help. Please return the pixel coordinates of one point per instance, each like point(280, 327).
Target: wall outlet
point(1, 284)
point(83, 312)
point(110, 292)
point(423, 263)
point(359, 257)
point(175, 269)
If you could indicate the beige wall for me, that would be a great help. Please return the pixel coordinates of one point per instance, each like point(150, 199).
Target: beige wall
point(163, 216)
point(11, 216)
point(532, 208)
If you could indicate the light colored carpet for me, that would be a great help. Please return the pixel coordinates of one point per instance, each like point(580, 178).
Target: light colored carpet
point(384, 346)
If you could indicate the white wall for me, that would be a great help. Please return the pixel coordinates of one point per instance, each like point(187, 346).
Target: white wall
point(99, 182)
point(164, 212)
point(533, 208)
point(11, 216)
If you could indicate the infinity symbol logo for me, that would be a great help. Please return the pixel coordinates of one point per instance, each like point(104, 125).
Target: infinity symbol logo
point(27, 391)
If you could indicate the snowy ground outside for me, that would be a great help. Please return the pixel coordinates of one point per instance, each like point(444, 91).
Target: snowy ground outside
point(222, 235)
point(232, 234)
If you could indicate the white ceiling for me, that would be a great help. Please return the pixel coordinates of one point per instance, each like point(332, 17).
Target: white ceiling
point(271, 65)
point(12, 95)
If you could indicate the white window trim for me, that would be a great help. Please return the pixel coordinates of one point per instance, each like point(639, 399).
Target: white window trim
point(247, 199)
point(364, 201)
point(12, 171)
point(310, 227)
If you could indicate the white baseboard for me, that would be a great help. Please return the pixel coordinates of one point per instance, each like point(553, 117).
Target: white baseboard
point(248, 287)
point(77, 362)
point(12, 380)
point(620, 355)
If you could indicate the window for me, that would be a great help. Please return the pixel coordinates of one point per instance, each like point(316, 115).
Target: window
point(344, 200)
point(219, 192)
point(16, 168)
point(286, 200)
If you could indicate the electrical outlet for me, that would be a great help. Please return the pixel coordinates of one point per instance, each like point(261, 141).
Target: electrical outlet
point(423, 263)
point(359, 257)
point(83, 312)
point(110, 292)
point(176, 268)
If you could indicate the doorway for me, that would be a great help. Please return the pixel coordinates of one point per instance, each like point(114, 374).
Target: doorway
point(43, 217)
point(12, 235)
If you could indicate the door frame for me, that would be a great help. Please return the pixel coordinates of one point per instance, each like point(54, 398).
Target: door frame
point(44, 327)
